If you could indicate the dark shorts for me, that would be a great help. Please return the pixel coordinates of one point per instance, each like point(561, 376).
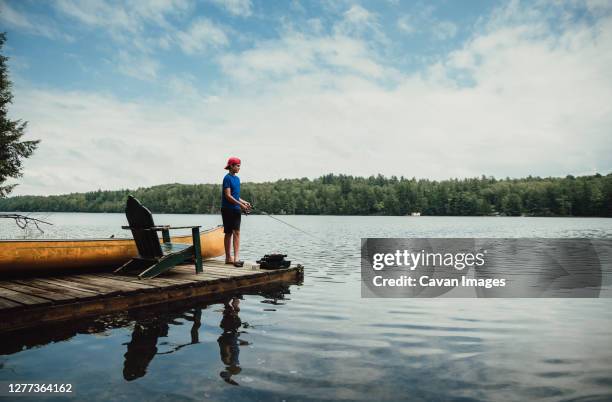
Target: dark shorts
point(231, 219)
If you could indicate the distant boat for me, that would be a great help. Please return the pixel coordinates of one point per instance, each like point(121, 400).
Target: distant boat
point(415, 214)
point(45, 256)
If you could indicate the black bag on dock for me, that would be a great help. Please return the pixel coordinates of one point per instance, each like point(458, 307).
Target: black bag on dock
point(273, 261)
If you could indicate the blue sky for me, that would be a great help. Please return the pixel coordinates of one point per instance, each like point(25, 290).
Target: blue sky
point(303, 88)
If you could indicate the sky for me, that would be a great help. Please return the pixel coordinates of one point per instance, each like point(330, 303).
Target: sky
point(128, 94)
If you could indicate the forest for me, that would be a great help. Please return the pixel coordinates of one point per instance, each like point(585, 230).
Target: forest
point(334, 194)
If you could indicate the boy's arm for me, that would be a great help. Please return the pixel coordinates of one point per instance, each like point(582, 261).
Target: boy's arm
point(227, 192)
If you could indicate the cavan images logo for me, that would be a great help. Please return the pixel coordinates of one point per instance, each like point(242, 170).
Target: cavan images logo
point(435, 267)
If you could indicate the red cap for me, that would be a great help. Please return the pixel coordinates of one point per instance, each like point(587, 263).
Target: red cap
point(232, 161)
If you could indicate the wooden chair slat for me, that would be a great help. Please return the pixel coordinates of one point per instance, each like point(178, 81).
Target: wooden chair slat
point(154, 257)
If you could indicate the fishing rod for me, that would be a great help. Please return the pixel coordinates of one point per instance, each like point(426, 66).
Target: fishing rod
point(286, 223)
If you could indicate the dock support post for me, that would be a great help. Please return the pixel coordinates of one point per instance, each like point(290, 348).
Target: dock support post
point(195, 233)
point(166, 235)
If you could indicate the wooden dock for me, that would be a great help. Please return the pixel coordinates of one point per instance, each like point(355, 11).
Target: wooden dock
point(27, 302)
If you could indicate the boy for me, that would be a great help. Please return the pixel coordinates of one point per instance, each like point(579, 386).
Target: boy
point(231, 206)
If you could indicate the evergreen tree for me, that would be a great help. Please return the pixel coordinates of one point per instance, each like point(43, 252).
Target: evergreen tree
point(12, 149)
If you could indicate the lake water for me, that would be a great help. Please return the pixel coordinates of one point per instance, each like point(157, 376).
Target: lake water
point(320, 340)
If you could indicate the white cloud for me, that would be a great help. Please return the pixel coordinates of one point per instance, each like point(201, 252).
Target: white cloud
point(128, 16)
point(405, 24)
point(185, 92)
point(201, 35)
point(297, 6)
point(98, 14)
point(297, 53)
point(158, 11)
point(83, 135)
point(30, 23)
point(358, 15)
point(444, 30)
point(131, 23)
point(137, 66)
point(422, 20)
point(242, 8)
point(359, 22)
point(315, 24)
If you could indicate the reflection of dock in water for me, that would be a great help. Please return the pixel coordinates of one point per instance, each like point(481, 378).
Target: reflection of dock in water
point(28, 302)
point(149, 325)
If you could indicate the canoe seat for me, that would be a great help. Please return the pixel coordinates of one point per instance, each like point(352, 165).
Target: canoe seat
point(154, 257)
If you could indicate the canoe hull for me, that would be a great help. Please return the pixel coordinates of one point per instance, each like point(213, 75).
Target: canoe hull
point(45, 256)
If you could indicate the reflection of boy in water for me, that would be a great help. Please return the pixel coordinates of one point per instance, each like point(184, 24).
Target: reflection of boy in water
point(229, 344)
point(143, 347)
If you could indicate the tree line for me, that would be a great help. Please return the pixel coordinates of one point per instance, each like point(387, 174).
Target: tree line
point(348, 195)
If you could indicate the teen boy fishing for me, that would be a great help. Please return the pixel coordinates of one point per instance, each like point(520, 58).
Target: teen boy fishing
point(231, 207)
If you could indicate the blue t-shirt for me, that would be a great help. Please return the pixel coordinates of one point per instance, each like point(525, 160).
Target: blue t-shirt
point(233, 183)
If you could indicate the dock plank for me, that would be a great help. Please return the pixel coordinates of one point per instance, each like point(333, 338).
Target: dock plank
point(214, 268)
point(230, 273)
point(8, 304)
point(222, 264)
point(193, 279)
point(232, 270)
point(77, 294)
point(112, 283)
point(60, 281)
point(23, 298)
point(210, 275)
point(186, 273)
point(172, 277)
point(34, 291)
point(103, 288)
point(184, 276)
point(159, 281)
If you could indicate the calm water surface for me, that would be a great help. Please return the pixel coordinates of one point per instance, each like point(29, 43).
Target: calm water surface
point(320, 340)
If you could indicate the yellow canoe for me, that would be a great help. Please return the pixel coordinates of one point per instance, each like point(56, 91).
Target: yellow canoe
point(45, 256)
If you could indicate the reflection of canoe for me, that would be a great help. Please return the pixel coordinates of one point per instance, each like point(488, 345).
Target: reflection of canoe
point(41, 256)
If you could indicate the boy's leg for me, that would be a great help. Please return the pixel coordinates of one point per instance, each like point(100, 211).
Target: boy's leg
point(236, 234)
point(227, 229)
point(227, 242)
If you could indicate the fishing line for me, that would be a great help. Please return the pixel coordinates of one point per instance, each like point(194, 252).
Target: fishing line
point(290, 225)
point(321, 240)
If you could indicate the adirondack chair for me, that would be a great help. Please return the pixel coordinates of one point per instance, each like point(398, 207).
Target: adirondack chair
point(154, 257)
